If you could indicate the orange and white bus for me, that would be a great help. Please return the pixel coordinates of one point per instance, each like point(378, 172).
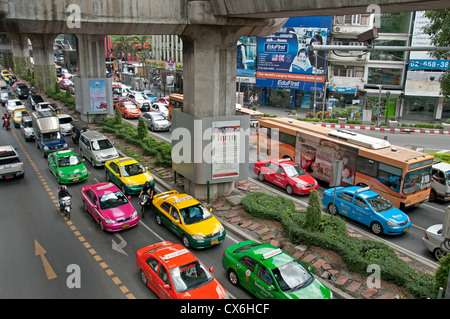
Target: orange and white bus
point(401, 175)
point(175, 102)
point(254, 115)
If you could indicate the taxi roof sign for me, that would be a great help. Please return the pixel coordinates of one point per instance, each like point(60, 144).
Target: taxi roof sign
point(182, 199)
point(175, 254)
point(104, 186)
point(272, 253)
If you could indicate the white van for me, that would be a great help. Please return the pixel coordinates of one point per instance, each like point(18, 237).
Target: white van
point(440, 182)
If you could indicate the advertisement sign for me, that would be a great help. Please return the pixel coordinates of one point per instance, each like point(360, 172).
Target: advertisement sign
point(421, 60)
point(316, 156)
point(225, 148)
point(97, 96)
point(246, 56)
point(285, 58)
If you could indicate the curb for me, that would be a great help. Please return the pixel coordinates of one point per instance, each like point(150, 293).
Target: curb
point(384, 129)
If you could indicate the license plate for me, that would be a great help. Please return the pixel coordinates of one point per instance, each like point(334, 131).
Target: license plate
point(125, 225)
point(405, 229)
point(9, 176)
point(75, 179)
point(214, 241)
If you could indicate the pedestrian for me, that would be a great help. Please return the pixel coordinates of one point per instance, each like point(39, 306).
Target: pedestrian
point(256, 100)
point(251, 100)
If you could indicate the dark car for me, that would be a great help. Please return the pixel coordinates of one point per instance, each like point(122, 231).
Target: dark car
point(34, 99)
point(22, 91)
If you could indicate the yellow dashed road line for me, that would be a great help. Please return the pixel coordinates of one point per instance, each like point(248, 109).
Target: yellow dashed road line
point(72, 227)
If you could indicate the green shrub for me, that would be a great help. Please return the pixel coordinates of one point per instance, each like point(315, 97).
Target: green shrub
point(142, 128)
point(313, 212)
point(118, 117)
point(357, 254)
point(442, 273)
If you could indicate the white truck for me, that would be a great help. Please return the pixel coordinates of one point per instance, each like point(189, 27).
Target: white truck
point(440, 182)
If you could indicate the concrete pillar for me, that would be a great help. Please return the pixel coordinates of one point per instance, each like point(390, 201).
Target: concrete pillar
point(91, 56)
point(209, 84)
point(91, 65)
point(21, 54)
point(44, 60)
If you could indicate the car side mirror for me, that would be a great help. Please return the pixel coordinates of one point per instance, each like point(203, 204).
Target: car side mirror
point(166, 287)
point(129, 197)
point(94, 206)
point(211, 269)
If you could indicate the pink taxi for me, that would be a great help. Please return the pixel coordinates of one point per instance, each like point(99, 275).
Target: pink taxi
point(109, 207)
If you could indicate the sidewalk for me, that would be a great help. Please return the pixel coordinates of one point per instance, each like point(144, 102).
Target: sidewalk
point(280, 111)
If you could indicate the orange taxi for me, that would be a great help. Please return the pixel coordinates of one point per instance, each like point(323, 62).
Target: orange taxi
point(128, 109)
point(173, 272)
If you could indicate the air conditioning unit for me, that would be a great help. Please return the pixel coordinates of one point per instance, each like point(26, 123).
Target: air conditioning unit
point(360, 139)
point(337, 29)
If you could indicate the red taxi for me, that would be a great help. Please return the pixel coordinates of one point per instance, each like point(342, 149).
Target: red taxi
point(286, 174)
point(173, 272)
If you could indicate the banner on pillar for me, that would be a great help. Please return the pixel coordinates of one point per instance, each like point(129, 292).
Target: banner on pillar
point(97, 94)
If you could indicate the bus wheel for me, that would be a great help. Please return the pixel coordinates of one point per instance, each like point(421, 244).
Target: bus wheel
point(376, 228)
point(332, 209)
point(261, 176)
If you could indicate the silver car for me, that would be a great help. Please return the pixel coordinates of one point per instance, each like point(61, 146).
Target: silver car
point(433, 239)
point(97, 148)
point(156, 121)
point(26, 128)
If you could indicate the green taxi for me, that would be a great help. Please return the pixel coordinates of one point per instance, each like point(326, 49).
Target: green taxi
point(269, 273)
point(67, 167)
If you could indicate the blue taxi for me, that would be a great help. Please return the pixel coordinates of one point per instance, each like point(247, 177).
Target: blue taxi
point(367, 207)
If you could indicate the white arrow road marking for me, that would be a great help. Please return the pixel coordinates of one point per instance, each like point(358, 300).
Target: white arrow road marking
point(120, 246)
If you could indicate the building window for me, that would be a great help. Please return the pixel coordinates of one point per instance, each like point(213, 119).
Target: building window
point(388, 56)
point(348, 71)
point(418, 106)
point(355, 19)
point(395, 22)
point(385, 76)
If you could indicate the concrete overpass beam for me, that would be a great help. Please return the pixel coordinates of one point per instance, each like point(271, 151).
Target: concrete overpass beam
point(44, 60)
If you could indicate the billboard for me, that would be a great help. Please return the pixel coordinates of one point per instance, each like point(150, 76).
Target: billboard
point(285, 58)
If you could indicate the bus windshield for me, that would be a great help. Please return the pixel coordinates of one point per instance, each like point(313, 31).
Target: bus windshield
point(417, 180)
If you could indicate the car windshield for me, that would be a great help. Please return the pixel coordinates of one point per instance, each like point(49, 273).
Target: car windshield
point(28, 124)
point(112, 200)
point(51, 136)
point(417, 180)
point(195, 214)
point(132, 170)
point(130, 106)
point(379, 204)
point(20, 113)
point(37, 99)
point(71, 160)
point(65, 120)
point(158, 117)
point(101, 145)
point(190, 276)
point(150, 95)
point(292, 276)
point(294, 171)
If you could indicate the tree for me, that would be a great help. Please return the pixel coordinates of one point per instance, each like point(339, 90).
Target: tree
point(142, 128)
point(439, 31)
point(313, 212)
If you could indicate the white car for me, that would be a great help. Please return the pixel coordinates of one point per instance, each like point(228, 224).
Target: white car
point(160, 108)
point(64, 123)
point(432, 240)
point(156, 121)
point(43, 106)
point(138, 98)
point(12, 105)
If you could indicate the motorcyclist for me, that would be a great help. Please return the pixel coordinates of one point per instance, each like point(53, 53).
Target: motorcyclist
point(62, 192)
point(5, 119)
point(149, 190)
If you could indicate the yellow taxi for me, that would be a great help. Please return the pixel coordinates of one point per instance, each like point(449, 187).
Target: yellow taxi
point(6, 77)
point(188, 219)
point(17, 116)
point(128, 175)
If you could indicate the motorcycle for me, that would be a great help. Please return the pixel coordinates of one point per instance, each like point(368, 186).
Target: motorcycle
point(145, 202)
point(66, 205)
point(6, 124)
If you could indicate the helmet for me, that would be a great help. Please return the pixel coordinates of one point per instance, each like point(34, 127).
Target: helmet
point(63, 187)
point(147, 184)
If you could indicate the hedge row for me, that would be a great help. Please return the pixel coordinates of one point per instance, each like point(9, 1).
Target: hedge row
point(332, 235)
point(150, 147)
